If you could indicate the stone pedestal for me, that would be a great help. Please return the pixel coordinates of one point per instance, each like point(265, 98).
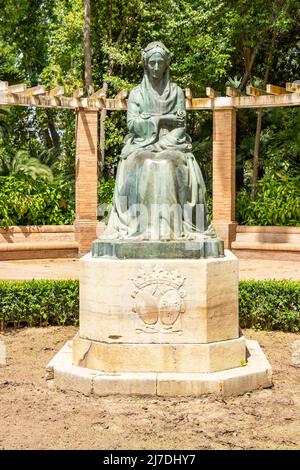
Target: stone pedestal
point(159, 315)
point(154, 326)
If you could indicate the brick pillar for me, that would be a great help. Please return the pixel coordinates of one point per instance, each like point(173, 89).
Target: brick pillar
point(86, 179)
point(224, 147)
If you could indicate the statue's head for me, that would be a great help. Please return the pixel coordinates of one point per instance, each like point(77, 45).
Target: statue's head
point(156, 59)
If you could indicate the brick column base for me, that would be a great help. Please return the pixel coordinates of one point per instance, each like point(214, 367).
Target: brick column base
point(85, 231)
point(226, 230)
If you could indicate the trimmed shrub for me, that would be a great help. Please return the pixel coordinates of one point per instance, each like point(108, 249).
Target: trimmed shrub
point(265, 305)
point(39, 302)
point(270, 305)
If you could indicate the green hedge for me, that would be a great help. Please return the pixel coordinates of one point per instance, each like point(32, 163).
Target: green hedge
point(39, 302)
point(266, 305)
point(270, 305)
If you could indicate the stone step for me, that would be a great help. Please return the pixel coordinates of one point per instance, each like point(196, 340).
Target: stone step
point(268, 234)
point(28, 250)
point(266, 229)
point(248, 245)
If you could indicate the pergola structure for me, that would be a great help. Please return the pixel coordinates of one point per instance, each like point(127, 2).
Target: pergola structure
point(224, 110)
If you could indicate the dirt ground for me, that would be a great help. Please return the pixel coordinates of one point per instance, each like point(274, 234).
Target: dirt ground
point(35, 416)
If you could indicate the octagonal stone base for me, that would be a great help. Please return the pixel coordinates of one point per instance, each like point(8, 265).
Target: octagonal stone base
point(254, 375)
point(181, 358)
point(159, 327)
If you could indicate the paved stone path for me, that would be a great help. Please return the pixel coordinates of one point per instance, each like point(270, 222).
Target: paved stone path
point(69, 269)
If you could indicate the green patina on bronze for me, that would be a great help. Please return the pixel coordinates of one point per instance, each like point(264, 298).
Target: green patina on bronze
point(129, 249)
point(159, 186)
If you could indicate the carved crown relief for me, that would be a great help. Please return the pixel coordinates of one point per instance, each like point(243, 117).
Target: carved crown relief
point(158, 301)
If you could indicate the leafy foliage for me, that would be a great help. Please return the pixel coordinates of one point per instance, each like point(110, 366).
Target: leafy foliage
point(115, 125)
point(106, 191)
point(281, 141)
point(20, 163)
point(35, 202)
point(3, 123)
point(39, 302)
point(277, 202)
point(105, 197)
point(270, 305)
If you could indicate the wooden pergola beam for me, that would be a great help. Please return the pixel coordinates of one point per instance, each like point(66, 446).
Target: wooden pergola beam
point(98, 94)
point(292, 87)
point(211, 93)
point(98, 99)
point(49, 101)
point(57, 91)
point(188, 94)
point(17, 89)
point(122, 95)
point(78, 93)
point(264, 101)
point(188, 97)
point(36, 90)
point(254, 91)
point(232, 92)
point(274, 96)
point(120, 98)
point(276, 90)
point(3, 86)
point(196, 104)
point(96, 103)
point(200, 103)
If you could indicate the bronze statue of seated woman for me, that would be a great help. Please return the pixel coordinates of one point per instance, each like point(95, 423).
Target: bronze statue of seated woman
point(159, 192)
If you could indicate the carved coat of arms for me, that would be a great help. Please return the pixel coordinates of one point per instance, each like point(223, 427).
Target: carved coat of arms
point(158, 301)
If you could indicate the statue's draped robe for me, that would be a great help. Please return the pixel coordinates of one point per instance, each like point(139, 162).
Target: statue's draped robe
point(159, 192)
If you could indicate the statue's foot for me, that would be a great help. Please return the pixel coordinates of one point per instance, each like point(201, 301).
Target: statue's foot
point(138, 236)
point(111, 236)
point(188, 236)
point(135, 238)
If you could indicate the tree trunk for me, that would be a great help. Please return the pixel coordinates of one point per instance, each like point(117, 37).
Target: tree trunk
point(53, 132)
point(47, 139)
point(258, 125)
point(103, 114)
point(87, 47)
point(256, 154)
point(248, 68)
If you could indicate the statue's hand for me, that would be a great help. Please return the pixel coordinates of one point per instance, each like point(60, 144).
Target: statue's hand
point(180, 119)
point(176, 119)
point(180, 113)
point(145, 115)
